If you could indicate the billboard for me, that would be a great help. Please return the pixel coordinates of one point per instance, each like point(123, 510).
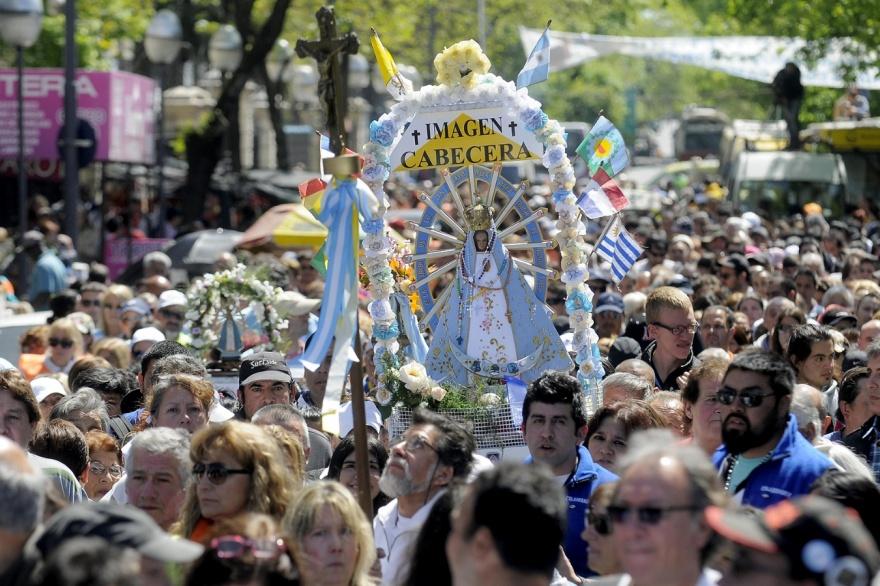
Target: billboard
point(118, 106)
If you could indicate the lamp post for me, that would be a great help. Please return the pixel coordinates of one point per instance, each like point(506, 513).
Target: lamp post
point(20, 24)
point(162, 45)
point(279, 75)
point(225, 53)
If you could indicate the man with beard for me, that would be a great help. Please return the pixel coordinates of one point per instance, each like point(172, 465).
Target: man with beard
point(433, 452)
point(764, 458)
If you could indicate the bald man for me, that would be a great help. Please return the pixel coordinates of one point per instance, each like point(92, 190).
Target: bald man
point(868, 333)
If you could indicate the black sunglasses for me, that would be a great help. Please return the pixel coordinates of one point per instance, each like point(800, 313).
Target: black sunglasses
point(63, 343)
point(727, 396)
point(601, 523)
point(217, 473)
point(172, 314)
point(646, 515)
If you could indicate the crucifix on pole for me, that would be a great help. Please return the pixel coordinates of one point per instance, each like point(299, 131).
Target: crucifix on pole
point(329, 51)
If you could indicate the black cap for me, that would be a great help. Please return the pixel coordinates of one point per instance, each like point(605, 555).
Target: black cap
point(119, 525)
point(854, 358)
point(264, 366)
point(821, 539)
point(736, 262)
point(622, 349)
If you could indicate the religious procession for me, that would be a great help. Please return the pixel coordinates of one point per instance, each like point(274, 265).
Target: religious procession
point(551, 307)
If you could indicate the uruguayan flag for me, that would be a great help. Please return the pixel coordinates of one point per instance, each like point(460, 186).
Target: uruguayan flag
point(607, 244)
point(626, 253)
point(537, 66)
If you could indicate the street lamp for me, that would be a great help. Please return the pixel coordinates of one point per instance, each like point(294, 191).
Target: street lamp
point(278, 62)
point(162, 44)
point(224, 49)
point(20, 24)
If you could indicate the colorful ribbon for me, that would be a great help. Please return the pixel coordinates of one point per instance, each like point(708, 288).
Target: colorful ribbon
point(417, 347)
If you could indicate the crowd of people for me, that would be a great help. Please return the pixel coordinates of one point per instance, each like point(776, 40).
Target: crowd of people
point(734, 440)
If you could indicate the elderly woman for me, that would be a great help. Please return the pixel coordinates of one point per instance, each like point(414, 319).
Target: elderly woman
point(180, 401)
point(237, 468)
point(610, 427)
point(330, 537)
point(105, 464)
point(111, 304)
point(65, 346)
point(343, 468)
point(701, 407)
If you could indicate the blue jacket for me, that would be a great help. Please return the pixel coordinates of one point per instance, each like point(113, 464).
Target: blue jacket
point(791, 470)
point(578, 488)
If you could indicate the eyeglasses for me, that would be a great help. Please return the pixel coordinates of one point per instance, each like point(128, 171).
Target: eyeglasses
point(95, 467)
point(235, 546)
point(59, 342)
point(678, 330)
point(171, 314)
point(414, 444)
point(727, 396)
point(217, 473)
point(601, 523)
point(90, 302)
point(646, 515)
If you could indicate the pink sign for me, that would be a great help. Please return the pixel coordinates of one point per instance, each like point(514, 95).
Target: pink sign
point(118, 106)
point(117, 256)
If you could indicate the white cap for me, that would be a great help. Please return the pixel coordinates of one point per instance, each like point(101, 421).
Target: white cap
point(295, 304)
point(45, 386)
point(171, 298)
point(149, 334)
point(346, 418)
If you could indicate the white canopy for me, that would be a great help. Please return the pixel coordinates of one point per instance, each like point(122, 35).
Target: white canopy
point(756, 58)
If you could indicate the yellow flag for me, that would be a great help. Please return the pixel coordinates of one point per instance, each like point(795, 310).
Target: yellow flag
point(383, 58)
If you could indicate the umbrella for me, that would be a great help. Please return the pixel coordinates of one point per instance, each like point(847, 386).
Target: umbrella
point(195, 252)
point(289, 225)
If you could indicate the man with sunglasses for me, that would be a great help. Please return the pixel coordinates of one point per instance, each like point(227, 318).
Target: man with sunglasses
point(171, 313)
point(671, 326)
point(764, 458)
point(434, 452)
point(90, 296)
point(656, 513)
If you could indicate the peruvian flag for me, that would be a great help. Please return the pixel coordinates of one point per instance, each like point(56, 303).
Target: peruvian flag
point(602, 197)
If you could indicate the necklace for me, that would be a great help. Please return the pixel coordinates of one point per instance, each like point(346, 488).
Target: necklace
point(733, 460)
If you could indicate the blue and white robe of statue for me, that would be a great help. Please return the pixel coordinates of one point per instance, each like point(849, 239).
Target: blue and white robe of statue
point(493, 325)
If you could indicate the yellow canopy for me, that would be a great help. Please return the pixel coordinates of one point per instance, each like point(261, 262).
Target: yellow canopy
point(299, 228)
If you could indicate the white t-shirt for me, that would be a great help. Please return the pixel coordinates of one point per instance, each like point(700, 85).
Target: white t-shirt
point(395, 536)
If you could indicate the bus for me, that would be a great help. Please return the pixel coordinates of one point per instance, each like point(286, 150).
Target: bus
point(699, 134)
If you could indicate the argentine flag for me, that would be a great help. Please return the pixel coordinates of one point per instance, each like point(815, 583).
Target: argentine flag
point(537, 66)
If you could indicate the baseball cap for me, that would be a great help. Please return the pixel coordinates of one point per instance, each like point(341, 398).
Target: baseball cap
point(148, 334)
point(137, 305)
point(264, 366)
point(681, 282)
point(609, 301)
point(45, 386)
point(821, 539)
point(295, 304)
point(171, 298)
point(735, 261)
point(622, 349)
point(346, 418)
point(119, 525)
point(30, 239)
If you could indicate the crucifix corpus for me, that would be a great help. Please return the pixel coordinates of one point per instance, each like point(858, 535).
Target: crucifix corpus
point(329, 51)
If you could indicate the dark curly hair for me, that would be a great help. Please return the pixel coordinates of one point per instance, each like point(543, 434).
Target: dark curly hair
point(557, 387)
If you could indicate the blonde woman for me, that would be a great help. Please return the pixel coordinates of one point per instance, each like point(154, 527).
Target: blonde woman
point(330, 537)
point(180, 401)
point(65, 346)
point(111, 304)
point(237, 468)
point(116, 351)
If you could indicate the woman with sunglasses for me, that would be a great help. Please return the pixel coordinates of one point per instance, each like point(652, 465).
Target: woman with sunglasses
point(105, 464)
point(330, 537)
point(597, 532)
point(245, 549)
point(111, 304)
point(180, 401)
point(237, 468)
point(65, 346)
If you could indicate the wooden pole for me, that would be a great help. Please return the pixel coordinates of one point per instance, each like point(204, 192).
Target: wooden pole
point(358, 410)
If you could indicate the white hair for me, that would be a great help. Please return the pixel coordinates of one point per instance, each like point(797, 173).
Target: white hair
point(162, 441)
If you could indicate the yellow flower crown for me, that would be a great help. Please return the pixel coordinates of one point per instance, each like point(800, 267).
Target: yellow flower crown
point(460, 64)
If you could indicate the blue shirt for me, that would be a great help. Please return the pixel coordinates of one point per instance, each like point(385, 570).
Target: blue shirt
point(49, 276)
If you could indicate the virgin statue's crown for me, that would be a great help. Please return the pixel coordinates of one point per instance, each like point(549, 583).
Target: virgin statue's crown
point(479, 217)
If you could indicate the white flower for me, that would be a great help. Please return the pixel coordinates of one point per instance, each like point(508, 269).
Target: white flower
point(384, 396)
point(489, 399)
point(437, 393)
point(414, 377)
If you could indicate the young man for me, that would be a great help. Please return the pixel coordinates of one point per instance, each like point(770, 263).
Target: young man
point(609, 315)
point(811, 353)
point(264, 379)
point(432, 453)
point(554, 426)
point(672, 326)
point(487, 544)
point(764, 458)
point(734, 273)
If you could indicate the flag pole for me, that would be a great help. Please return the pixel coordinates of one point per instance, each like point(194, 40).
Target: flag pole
point(602, 235)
